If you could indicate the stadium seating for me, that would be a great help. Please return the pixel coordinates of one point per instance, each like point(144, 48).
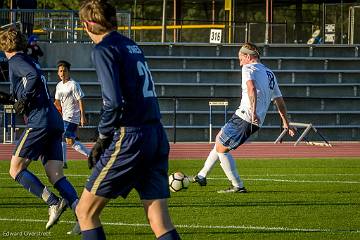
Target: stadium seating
point(320, 84)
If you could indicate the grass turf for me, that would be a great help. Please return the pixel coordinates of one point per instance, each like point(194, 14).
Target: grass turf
point(287, 199)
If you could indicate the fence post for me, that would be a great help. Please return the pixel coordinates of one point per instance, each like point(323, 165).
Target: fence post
point(174, 119)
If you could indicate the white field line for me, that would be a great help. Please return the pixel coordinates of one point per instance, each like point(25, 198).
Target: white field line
point(249, 179)
point(248, 175)
point(292, 180)
point(243, 227)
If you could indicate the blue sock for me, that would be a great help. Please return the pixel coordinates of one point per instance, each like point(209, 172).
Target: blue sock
point(171, 235)
point(31, 183)
point(93, 234)
point(66, 190)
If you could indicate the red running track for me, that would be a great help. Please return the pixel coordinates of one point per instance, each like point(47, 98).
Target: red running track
point(248, 150)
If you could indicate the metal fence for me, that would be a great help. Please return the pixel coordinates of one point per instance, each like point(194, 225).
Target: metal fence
point(64, 26)
point(56, 25)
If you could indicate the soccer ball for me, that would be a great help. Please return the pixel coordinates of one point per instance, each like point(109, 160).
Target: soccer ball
point(178, 181)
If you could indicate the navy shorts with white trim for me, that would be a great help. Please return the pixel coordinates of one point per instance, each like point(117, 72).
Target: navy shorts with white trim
point(137, 158)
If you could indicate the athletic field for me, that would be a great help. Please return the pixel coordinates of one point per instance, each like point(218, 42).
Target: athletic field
point(288, 199)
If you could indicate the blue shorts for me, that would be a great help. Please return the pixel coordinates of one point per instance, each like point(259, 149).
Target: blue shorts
point(70, 129)
point(236, 131)
point(35, 143)
point(137, 158)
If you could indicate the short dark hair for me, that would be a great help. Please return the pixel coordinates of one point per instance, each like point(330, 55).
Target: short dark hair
point(63, 63)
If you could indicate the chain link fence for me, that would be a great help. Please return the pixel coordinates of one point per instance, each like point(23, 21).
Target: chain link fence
point(65, 26)
point(56, 25)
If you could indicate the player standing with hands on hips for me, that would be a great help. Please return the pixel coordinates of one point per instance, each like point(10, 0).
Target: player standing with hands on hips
point(68, 99)
point(42, 135)
point(132, 148)
point(259, 88)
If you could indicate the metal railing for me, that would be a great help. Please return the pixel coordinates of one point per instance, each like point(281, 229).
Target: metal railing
point(56, 25)
point(64, 26)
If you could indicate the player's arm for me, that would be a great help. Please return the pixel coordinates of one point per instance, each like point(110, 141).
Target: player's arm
point(32, 78)
point(281, 106)
point(107, 69)
point(250, 85)
point(78, 94)
point(21, 106)
point(83, 119)
point(58, 105)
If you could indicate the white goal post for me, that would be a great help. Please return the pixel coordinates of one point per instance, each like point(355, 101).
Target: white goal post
point(307, 127)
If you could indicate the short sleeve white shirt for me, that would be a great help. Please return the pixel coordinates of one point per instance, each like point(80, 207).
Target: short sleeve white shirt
point(266, 87)
point(69, 94)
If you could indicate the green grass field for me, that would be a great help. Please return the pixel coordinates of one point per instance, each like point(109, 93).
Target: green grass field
point(287, 199)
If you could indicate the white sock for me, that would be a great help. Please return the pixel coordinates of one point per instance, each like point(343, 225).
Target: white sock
point(227, 163)
point(209, 163)
point(64, 146)
point(78, 146)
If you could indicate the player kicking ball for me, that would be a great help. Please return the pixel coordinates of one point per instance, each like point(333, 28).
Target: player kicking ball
point(42, 135)
point(259, 88)
point(68, 98)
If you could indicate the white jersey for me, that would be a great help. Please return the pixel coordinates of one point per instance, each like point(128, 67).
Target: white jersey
point(69, 94)
point(266, 87)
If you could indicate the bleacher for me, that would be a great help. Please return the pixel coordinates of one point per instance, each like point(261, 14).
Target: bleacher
point(320, 84)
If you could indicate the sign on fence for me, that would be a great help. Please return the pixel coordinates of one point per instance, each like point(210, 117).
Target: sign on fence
point(329, 33)
point(215, 36)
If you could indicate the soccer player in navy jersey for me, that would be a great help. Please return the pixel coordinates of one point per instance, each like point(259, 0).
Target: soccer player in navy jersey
point(43, 132)
point(132, 148)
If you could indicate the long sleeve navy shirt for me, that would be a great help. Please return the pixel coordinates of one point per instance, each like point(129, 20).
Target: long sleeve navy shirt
point(128, 92)
point(29, 85)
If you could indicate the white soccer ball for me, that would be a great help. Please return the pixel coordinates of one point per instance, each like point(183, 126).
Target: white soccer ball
point(178, 181)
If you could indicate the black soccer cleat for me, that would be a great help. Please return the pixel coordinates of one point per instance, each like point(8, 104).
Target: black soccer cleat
point(233, 189)
point(200, 180)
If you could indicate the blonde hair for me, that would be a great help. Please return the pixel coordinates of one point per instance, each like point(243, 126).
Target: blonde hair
point(251, 49)
point(12, 40)
point(99, 15)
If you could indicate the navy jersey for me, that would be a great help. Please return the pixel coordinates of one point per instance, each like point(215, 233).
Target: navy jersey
point(127, 87)
point(29, 84)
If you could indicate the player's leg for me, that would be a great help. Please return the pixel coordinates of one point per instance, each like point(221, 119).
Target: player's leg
point(209, 164)
point(64, 150)
point(70, 135)
point(79, 147)
point(159, 219)
point(88, 213)
point(106, 182)
point(28, 148)
point(153, 188)
point(20, 173)
point(235, 132)
point(54, 171)
point(53, 164)
point(228, 165)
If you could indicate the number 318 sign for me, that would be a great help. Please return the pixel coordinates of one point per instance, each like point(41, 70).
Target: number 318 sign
point(215, 36)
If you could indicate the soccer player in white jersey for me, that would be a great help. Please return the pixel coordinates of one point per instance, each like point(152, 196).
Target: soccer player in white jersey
point(259, 88)
point(68, 100)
